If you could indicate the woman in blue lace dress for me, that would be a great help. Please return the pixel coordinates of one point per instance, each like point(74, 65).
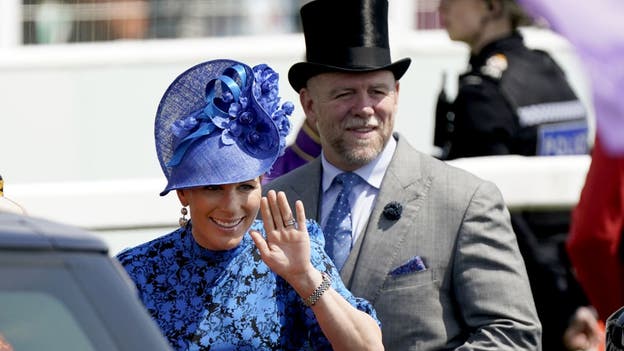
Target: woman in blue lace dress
point(225, 280)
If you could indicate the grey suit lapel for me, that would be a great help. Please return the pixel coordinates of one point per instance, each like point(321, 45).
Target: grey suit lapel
point(375, 252)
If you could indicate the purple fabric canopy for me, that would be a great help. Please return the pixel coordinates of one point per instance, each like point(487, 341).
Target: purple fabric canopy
point(596, 30)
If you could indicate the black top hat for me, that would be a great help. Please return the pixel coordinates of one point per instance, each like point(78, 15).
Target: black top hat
point(345, 36)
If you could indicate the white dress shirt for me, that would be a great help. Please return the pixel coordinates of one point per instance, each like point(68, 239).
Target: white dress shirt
point(362, 198)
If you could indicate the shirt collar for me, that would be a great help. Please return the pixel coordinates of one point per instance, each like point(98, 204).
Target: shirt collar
point(372, 173)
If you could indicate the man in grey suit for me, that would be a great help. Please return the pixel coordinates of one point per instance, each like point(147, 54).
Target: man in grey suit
point(431, 246)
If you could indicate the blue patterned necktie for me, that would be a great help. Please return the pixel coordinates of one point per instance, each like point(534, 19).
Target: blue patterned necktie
point(337, 229)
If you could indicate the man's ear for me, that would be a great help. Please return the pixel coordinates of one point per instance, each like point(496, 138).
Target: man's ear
point(397, 87)
point(307, 103)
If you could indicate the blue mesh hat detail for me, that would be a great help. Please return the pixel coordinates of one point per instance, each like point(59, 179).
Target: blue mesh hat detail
point(220, 122)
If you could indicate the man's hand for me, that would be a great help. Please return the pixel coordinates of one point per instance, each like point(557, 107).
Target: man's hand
point(583, 332)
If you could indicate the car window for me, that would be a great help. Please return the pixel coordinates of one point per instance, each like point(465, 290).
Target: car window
point(4, 345)
point(38, 321)
point(44, 308)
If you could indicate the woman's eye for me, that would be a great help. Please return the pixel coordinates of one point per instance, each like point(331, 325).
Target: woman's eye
point(247, 187)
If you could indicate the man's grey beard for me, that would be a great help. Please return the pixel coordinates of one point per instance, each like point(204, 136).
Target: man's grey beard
point(354, 155)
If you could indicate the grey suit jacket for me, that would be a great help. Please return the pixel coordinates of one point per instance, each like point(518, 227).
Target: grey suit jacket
point(474, 293)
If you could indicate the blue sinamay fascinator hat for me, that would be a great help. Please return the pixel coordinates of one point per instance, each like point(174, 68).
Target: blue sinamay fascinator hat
point(220, 122)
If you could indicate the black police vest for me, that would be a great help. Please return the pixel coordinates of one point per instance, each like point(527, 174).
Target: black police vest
point(549, 114)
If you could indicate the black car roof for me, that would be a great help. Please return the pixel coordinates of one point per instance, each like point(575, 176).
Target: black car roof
point(30, 233)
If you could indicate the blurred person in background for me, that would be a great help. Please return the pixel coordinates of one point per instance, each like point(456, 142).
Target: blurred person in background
point(595, 242)
point(512, 99)
point(129, 19)
point(305, 148)
point(205, 18)
point(225, 280)
point(102, 20)
point(516, 100)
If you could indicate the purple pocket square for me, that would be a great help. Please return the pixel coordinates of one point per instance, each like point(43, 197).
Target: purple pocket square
point(414, 264)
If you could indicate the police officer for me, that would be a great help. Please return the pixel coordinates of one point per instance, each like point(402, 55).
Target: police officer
point(512, 100)
point(515, 100)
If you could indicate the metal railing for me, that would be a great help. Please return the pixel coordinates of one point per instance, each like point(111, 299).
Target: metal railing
point(127, 212)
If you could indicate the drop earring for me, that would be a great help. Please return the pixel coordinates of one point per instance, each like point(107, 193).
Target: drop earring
point(183, 221)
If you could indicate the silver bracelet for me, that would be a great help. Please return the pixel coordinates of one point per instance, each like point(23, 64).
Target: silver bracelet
point(318, 292)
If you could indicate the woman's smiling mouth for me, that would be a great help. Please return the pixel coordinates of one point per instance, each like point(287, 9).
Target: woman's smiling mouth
point(227, 224)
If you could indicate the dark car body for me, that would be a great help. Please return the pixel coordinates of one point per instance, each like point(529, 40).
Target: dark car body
point(60, 290)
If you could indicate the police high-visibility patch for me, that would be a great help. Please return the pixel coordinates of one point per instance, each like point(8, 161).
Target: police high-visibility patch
point(569, 138)
point(548, 112)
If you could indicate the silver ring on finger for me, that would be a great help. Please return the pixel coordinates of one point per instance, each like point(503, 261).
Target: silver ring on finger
point(290, 222)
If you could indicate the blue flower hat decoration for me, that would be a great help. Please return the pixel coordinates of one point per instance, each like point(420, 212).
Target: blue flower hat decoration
point(220, 122)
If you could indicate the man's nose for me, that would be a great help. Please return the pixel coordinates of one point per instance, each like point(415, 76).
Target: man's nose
point(363, 105)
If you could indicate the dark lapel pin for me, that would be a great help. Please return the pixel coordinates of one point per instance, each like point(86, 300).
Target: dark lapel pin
point(393, 210)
